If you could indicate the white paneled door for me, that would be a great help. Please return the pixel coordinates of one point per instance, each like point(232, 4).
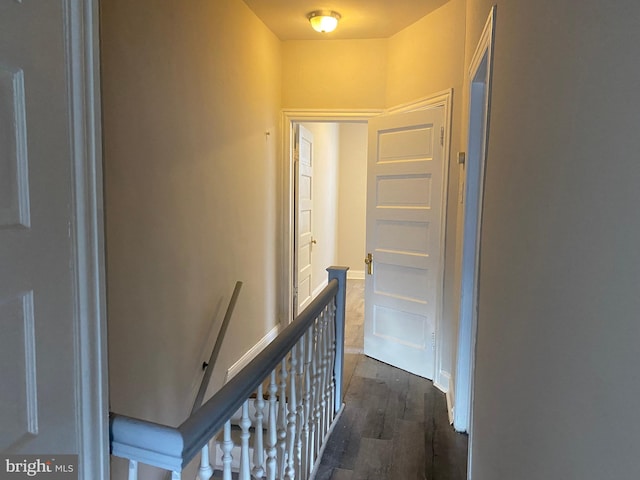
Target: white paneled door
point(52, 398)
point(403, 286)
point(303, 156)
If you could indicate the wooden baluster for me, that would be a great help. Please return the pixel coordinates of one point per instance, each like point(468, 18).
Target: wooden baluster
point(258, 444)
point(326, 413)
point(332, 362)
point(205, 472)
point(306, 427)
point(316, 389)
point(227, 447)
point(133, 470)
point(323, 379)
point(282, 419)
point(299, 406)
point(245, 425)
point(290, 472)
point(272, 433)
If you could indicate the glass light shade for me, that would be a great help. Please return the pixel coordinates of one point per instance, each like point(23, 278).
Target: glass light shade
point(324, 21)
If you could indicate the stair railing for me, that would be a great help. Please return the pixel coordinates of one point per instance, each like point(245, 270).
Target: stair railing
point(287, 400)
point(206, 471)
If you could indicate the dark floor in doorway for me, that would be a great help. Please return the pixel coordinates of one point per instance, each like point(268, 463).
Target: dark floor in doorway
point(394, 427)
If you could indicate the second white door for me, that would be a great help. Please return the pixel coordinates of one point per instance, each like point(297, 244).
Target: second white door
point(403, 288)
point(303, 222)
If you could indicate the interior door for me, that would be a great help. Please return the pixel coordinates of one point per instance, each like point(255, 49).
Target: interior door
point(41, 394)
point(303, 151)
point(403, 284)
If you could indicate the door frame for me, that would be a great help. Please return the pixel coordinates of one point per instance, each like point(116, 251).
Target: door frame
point(478, 86)
point(442, 379)
point(442, 99)
point(288, 207)
point(87, 236)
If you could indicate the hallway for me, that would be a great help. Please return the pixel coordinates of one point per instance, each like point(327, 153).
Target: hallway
point(394, 425)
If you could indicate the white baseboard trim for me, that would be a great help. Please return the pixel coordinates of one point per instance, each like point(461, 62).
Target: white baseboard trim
point(442, 381)
point(353, 350)
point(252, 353)
point(450, 406)
point(444, 384)
point(319, 289)
point(355, 275)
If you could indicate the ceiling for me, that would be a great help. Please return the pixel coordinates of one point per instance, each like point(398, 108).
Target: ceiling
point(360, 18)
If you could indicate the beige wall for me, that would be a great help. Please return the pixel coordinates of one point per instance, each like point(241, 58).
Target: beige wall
point(427, 58)
point(352, 196)
point(190, 181)
point(556, 378)
point(334, 74)
point(324, 216)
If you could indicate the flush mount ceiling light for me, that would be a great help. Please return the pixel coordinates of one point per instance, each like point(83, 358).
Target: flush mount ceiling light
point(324, 20)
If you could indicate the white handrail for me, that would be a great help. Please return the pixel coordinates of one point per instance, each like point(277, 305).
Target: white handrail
point(298, 417)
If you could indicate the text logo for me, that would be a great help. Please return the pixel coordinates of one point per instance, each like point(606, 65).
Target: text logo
point(49, 467)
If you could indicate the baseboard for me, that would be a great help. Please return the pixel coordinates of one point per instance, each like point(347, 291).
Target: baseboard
point(442, 381)
point(355, 275)
point(444, 384)
point(319, 289)
point(450, 404)
point(252, 353)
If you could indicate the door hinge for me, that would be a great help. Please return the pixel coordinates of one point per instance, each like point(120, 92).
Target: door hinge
point(433, 340)
point(442, 136)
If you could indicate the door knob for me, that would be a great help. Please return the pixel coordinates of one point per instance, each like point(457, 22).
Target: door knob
point(313, 240)
point(369, 263)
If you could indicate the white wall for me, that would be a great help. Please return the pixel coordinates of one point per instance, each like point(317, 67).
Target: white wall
point(325, 200)
point(557, 383)
point(352, 193)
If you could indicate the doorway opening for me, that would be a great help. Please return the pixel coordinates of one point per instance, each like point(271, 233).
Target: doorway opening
point(440, 101)
point(329, 229)
point(329, 199)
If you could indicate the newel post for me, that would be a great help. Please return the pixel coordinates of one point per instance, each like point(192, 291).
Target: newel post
point(340, 274)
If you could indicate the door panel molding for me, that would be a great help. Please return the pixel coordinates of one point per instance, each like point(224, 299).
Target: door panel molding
point(407, 184)
point(443, 99)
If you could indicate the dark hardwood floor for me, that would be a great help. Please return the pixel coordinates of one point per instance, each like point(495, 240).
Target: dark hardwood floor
point(394, 426)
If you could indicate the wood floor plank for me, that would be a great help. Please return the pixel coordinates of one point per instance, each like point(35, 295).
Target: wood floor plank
point(343, 447)
point(374, 460)
point(340, 474)
point(367, 368)
point(408, 456)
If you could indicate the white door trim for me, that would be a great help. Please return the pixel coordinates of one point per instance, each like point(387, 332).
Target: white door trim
point(442, 99)
point(289, 118)
point(478, 86)
point(92, 403)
